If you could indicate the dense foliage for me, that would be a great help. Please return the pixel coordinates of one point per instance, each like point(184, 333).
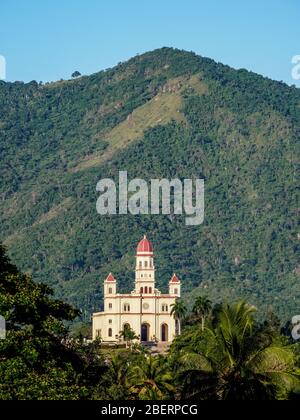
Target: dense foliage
point(37, 360)
point(222, 354)
point(237, 130)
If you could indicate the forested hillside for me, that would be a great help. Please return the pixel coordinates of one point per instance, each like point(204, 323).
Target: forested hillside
point(167, 113)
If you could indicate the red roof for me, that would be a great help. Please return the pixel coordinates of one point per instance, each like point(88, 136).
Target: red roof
point(174, 279)
point(110, 278)
point(144, 247)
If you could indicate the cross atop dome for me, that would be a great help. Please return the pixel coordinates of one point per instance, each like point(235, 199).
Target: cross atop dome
point(145, 247)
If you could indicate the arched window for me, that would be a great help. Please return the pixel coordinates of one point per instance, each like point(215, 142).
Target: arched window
point(140, 264)
point(176, 291)
point(146, 289)
point(110, 306)
point(150, 263)
point(146, 264)
point(110, 290)
point(165, 307)
point(150, 290)
point(142, 290)
point(110, 332)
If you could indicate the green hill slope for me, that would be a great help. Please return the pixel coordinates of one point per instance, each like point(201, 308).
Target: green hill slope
point(167, 113)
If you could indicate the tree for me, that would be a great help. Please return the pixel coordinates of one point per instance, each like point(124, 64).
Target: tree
point(82, 332)
point(36, 360)
point(179, 312)
point(128, 335)
point(236, 360)
point(152, 379)
point(76, 74)
point(202, 308)
point(115, 383)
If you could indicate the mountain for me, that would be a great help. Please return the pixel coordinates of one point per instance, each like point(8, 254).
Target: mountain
point(164, 114)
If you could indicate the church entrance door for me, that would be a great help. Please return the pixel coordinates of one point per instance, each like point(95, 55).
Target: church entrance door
point(164, 332)
point(145, 332)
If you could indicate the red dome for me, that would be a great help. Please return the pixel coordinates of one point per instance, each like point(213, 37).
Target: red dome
point(144, 247)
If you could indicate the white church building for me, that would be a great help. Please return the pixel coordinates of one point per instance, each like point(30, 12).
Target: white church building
point(145, 310)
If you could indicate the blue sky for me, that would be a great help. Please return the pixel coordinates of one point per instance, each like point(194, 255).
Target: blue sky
point(47, 40)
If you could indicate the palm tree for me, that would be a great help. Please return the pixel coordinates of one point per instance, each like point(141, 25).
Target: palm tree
point(152, 380)
point(128, 335)
point(138, 348)
point(119, 369)
point(202, 308)
point(237, 360)
point(179, 311)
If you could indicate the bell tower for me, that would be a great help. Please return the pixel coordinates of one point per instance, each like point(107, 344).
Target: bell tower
point(175, 286)
point(145, 270)
point(110, 286)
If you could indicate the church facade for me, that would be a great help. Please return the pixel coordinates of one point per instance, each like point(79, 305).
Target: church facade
point(145, 310)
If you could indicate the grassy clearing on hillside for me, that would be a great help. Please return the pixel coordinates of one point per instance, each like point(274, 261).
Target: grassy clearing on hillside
point(162, 109)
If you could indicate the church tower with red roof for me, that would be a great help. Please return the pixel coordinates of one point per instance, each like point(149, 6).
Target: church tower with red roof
point(146, 310)
point(175, 286)
point(145, 270)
